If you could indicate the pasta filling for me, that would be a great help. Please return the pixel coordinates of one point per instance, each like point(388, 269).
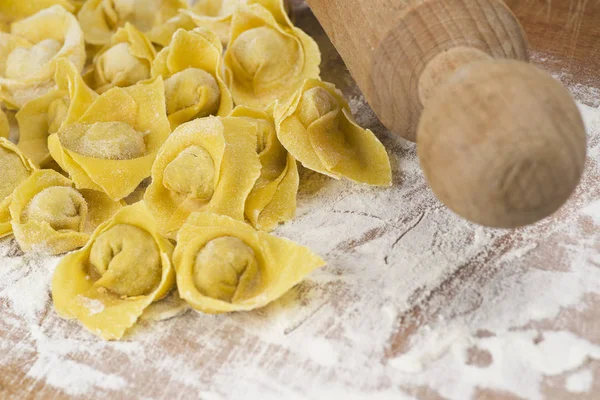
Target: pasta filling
point(192, 173)
point(125, 260)
point(191, 87)
point(23, 62)
point(314, 104)
point(13, 172)
point(64, 208)
point(264, 56)
point(118, 61)
point(106, 140)
point(226, 269)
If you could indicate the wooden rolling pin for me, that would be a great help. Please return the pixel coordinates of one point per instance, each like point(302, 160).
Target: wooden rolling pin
point(501, 143)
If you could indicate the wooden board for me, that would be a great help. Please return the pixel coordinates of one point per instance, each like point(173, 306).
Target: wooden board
point(209, 357)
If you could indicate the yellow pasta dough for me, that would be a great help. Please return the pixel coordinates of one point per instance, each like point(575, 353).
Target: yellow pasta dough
point(46, 114)
point(316, 126)
point(111, 145)
point(215, 15)
point(29, 52)
point(224, 265)
point(267, 58)
point(15, 169)
point(123, 269)
point(194, 85)
point(124, 62)
point(13, 10)
point(51, 216)
point(207, 164)
point(4, 125)
point(273, 198)
point(101, 18)
point(163, 33)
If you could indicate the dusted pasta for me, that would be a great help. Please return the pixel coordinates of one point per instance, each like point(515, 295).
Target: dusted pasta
point(194, 85)
point(273, 198)
point(28, 54)
point(224, 265)
point(124, 62)
point(267, 58)
point(50, 215)
point(215, 15)
point(207, 164)
point(15, 169)
point(123, 269)
point(101, 18)
point(46, 114)
point(317, 128)
point(13, 10)
point(111, 145)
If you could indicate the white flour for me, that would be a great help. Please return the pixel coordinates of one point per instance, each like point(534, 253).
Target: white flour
point(412, 297)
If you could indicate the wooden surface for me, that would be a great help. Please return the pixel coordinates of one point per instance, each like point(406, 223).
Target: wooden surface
point(565, 38)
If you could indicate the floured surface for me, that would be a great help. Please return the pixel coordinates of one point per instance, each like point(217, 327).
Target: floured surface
point(414, 303)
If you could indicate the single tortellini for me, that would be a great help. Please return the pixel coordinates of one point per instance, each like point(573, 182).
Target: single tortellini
point(267, 57)
point(224, 265)
point(100, 19)
point(273, 198)
point(215, 15)
point(15, 169)
point(4, 125)
point(124, 267)
point(194, 84)
point(111, 145)
point(124, 62)
point(208, 164)
point(46, 114)
point(28, 54)
point(13, 10)
point(51, 216)
point(316, 126)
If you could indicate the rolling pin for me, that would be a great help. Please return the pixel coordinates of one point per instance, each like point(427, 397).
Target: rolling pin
point(500, 142)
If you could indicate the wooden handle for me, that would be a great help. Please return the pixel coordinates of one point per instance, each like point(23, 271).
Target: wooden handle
point(500, 142)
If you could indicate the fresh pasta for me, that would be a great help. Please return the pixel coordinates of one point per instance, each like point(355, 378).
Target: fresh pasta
point(28, 53)
point(112, 144)
point(192, 69)
point(208, 164)
point(224, 265)
point(51, 216)
point(108, 291)
point(267, 57)
point(317, 128)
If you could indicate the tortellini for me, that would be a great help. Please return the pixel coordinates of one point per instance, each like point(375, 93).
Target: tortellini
point(316, 126)
point(208, 164)
point(29, 53)
point(273, 198)
point(112, 144)
point(215, 15)
point(224, 265)
point(15, 169)
point(194, 85)
point(51, 216)
point(13, 10)
point(123, 269)
point(101, 18)
point(267, 57)
point(124, 62)
point(45, 115)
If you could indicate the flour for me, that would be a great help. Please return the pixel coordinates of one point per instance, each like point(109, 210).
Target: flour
point(580, 382)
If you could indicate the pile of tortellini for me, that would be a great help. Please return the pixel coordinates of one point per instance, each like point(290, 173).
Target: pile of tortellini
point(157, 141)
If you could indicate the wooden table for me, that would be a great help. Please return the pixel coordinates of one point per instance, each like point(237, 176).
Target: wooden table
point(341, 308)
